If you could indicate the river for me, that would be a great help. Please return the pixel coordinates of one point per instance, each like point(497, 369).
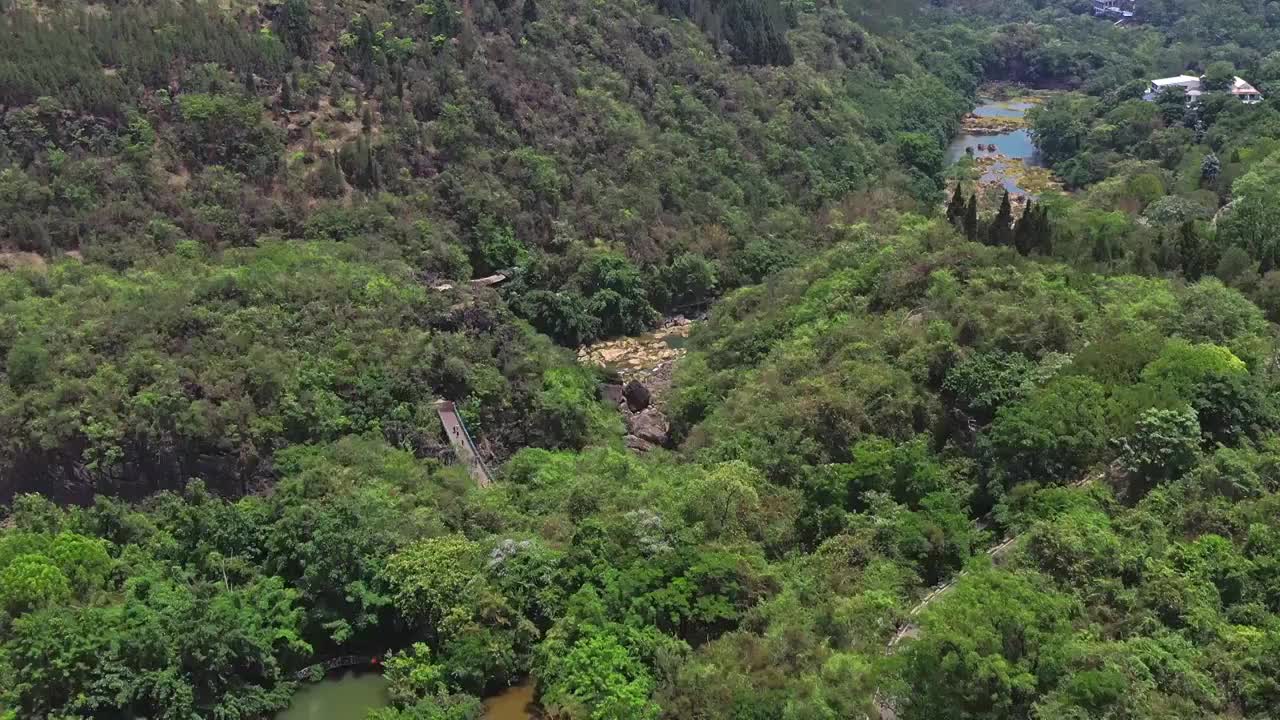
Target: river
point(345, 696)
point(1014, 163)
point(350, 696)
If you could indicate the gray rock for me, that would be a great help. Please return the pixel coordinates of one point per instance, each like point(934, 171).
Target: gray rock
point(639, 444)
point(649, 425)
point(612, 394)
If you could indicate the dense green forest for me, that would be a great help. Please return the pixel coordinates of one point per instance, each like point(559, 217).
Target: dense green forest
point(238, 238)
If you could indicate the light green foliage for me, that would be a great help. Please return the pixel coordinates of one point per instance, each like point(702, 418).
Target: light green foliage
point(31, 582)
point(980, 651)
point(149, 650)
point(725, 501)
point(569, 410)
point(451, 707)
point(598, 680)
point(1183, 366)
point(1054, 434)
point(412, 675)
point(250, 351)
point(431, 579)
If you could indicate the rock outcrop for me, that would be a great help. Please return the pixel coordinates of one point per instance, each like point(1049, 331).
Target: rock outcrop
point(637, 396)
point(650, 426)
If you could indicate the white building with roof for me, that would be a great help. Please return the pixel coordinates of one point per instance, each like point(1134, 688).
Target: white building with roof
point(1118, 10)
point(1194, 87)
point(1247, 93)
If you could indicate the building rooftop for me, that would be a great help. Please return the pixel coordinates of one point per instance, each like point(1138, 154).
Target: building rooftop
point(1175, 80)
point(1240, 87)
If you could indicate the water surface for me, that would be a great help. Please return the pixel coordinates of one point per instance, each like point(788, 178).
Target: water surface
point(338, 697)
point(1015, 144)
point(1003, 108)
point(514, 703)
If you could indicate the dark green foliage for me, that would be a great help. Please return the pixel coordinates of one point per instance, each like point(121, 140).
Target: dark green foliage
point(1210, 168)
point(229, 131)
point(292, 23)
point(1163, 445)
point(1052, 435)
point(956, 207)
point(271, 293)
point(263, 348)
point(1196, 255)
point(702, 172)
point(1033, 232)
point(970, 224)
point(986, 381)
point(1000, 232)
point(756, 29)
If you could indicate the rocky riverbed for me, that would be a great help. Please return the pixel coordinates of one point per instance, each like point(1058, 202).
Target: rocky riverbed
point(642, 367)
point(647, 358)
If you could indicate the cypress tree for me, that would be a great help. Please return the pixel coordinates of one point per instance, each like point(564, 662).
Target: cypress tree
point(1043, 231)
point(530, 12)
point(956, 208)
point(1024, 232)
point(971, 219)
point(1001, 232)
point(1190, 252)
point(286, 95)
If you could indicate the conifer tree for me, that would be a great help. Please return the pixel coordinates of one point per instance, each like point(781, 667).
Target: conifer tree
point(1001, 231)
point(530, 12)
point(286, 94)
point(1024, 231)
point(1210, 168)
point(956, 208)
point(971, 219)
point(1192, 252)
point(1043, 231)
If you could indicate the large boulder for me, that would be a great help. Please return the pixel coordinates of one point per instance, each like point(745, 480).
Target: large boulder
point(612, 394)
point(649, 425)
point(639, 444)
point(638, 396)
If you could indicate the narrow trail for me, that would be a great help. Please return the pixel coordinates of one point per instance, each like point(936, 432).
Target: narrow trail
point(463, 445)
point(912, 630)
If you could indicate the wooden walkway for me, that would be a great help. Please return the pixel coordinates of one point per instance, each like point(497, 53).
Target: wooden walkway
point(344, 661)
point(463, 445)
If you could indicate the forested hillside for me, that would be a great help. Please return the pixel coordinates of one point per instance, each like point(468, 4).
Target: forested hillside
point(624, 158)
point(238, 239)
point(616, 161)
